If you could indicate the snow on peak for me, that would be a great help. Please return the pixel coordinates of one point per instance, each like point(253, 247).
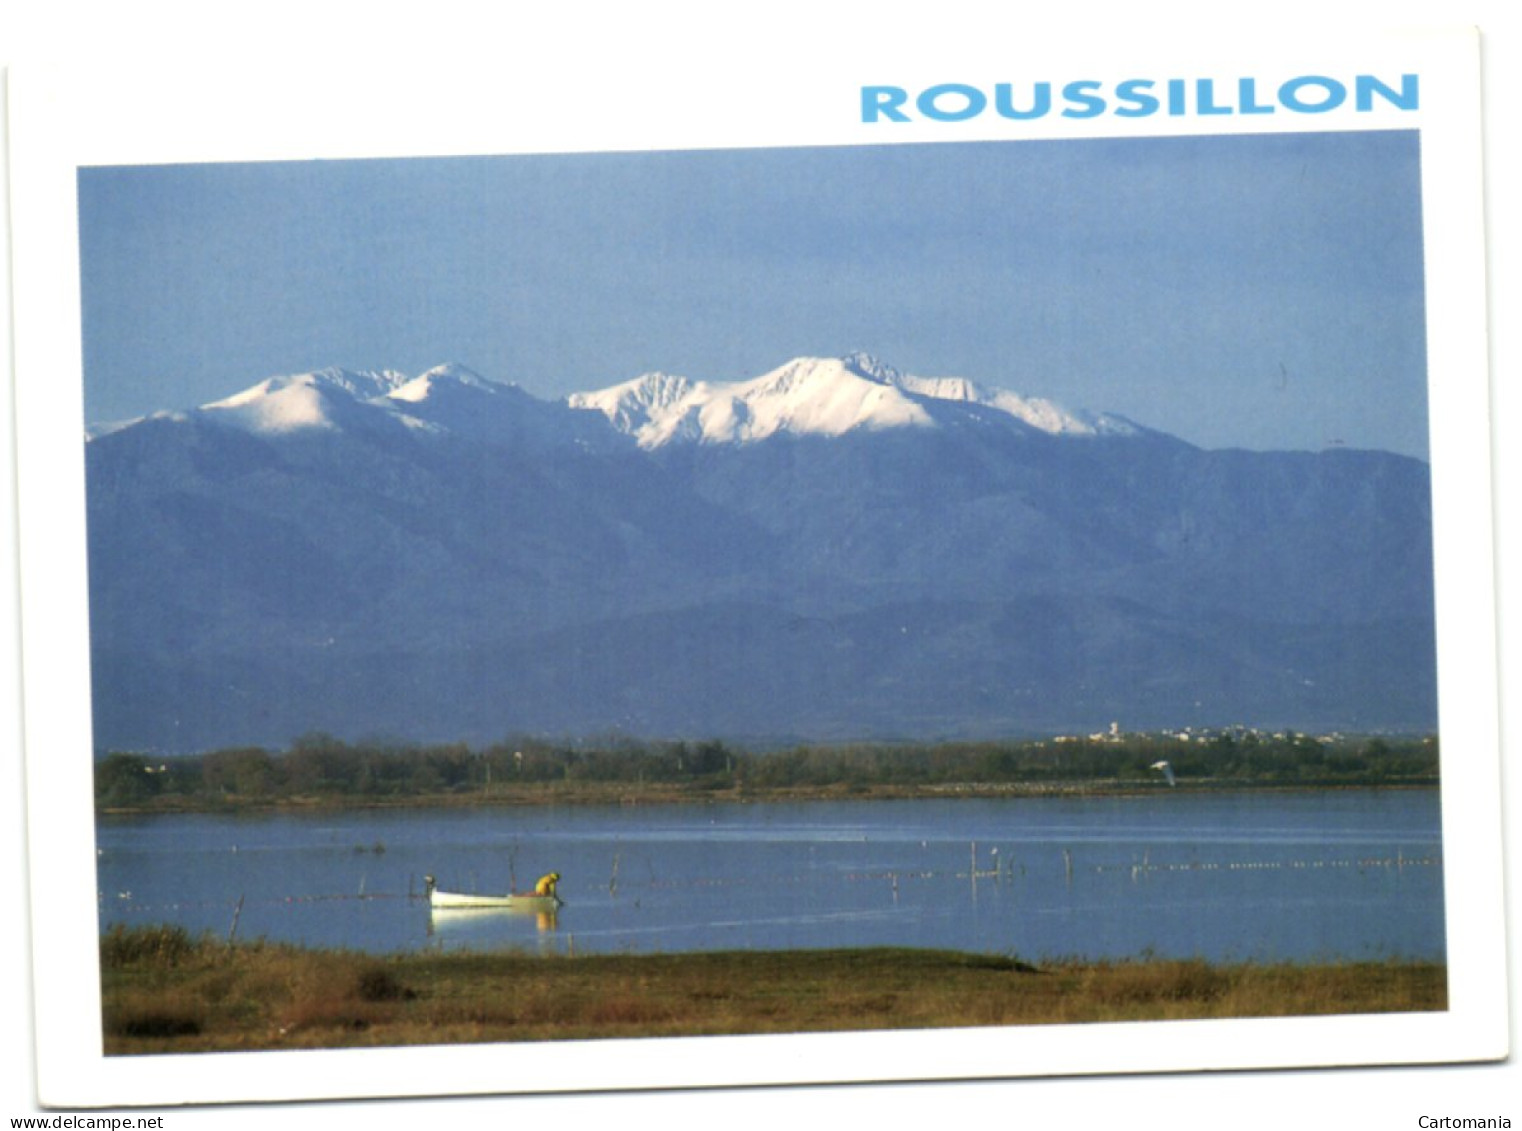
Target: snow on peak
point(816, 395)
point(363, 384)
point(301, 402)
point(1039, 413)
point(278, 404)
point(420, 388)
point(649, 405)
point(825, 396)
point(453, 400)
point(107, 427)
point(869, 366)
point(328, 399)
point(446, 400)
point(636, 400)
point(820, 396)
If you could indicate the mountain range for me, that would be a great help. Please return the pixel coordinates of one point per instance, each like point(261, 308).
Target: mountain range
point(833, 550)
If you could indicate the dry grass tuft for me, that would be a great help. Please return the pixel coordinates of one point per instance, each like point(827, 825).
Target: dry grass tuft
point(1127, 985)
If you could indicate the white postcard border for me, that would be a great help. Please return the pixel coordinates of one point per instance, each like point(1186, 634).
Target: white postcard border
point(62, 120)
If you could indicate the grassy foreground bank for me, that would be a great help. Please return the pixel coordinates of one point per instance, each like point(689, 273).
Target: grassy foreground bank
point(164, 991)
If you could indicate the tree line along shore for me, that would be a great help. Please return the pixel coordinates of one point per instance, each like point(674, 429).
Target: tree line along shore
point(319, 769)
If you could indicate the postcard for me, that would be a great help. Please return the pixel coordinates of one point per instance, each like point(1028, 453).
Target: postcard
point(939, 564)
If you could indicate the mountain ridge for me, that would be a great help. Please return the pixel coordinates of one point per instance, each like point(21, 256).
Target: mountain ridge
point(825, 396)
point(806, 395)
point(445, 556)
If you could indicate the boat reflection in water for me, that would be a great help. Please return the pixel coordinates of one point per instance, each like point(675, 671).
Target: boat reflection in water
point(446, 918)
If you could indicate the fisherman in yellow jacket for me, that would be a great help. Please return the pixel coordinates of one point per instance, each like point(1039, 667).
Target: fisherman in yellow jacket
point(546, 884)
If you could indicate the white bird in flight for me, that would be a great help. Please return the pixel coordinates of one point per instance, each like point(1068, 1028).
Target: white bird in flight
point(1167, 771)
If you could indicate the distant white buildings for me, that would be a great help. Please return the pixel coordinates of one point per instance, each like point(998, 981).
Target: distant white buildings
point(1236, 733)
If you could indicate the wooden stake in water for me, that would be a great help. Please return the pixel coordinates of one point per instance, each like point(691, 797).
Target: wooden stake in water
point(233, 930)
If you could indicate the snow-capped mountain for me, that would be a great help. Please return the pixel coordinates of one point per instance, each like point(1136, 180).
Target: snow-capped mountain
point(834, 549)
point(454, 400)
point(448, 399)
point(828, 397)
point(297, 403)
point(806, 396)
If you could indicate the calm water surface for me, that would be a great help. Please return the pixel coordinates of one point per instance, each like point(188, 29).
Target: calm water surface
point(1340, 874)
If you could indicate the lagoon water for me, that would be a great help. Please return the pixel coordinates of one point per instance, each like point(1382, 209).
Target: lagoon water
point(1223, 876)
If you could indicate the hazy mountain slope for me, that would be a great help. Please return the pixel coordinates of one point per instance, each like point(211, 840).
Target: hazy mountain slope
point(835, 550)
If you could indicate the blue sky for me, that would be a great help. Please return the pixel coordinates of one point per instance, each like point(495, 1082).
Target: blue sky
point(1254, 291)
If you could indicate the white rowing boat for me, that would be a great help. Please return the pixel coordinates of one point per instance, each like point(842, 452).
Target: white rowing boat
point(512, 901)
